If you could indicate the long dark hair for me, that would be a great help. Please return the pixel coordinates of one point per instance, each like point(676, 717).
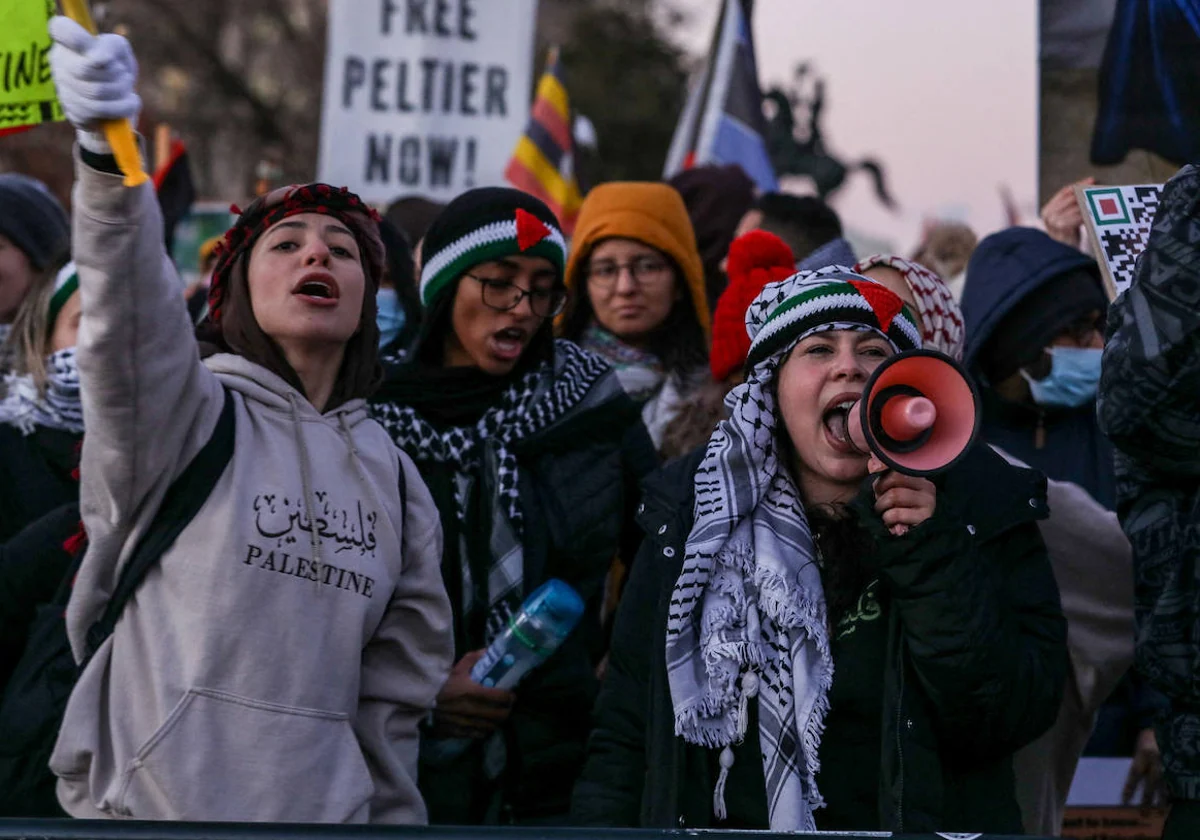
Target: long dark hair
point(231, 326)
point(844, 547)
point(842, 543)
point(679, 341)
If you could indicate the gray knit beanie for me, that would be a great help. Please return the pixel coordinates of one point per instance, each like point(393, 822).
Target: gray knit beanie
point(32, 219)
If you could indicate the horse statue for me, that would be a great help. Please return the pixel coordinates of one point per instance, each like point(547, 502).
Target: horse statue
point(804, 153)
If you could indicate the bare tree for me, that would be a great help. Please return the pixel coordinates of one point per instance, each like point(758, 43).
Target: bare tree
point(241, 83)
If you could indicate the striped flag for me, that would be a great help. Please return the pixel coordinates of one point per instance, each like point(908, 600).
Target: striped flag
point(543, 164)
point(722, 121)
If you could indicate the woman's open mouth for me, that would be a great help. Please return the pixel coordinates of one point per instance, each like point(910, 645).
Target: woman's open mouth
point(319, 289)
point(509, 343)
point(836, 421)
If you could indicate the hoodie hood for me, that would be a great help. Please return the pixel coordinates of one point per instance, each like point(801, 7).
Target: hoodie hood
point(1006, 268)
point(272, 391)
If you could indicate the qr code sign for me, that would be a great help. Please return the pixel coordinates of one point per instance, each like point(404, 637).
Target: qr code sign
point(1119, 220)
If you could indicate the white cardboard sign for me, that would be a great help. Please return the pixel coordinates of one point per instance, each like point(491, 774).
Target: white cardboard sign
point(424, 97)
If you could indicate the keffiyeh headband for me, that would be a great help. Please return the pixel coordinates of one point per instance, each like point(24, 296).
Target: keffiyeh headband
point(276, 206)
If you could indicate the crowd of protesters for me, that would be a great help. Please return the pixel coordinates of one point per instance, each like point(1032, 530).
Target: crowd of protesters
point(344, 460)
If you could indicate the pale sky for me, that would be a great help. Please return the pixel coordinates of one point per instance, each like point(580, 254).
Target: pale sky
point(942, 92)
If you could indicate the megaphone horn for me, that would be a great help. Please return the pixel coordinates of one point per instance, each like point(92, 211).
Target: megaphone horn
point(919, 413)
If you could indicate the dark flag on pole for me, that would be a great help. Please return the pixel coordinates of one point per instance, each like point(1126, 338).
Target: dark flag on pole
point(176, 190)
point(722, 121)
point(1149, 83)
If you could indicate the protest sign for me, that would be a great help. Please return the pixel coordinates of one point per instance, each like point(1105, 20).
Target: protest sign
point(26, 87)
point(1118, 221)
point(424, 97)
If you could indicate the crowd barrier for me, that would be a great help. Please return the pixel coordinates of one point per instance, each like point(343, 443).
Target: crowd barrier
point(136, 830)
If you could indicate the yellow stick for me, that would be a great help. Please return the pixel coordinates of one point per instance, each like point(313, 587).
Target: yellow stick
point(119, 133)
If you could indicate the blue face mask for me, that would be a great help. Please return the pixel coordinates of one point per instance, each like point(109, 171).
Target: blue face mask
point(1074, 377)
point(389, 316)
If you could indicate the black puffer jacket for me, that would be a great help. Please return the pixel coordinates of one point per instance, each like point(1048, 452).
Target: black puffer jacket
point(578, 484)
point(977, 643)
point(35, 474)
point(33, 564)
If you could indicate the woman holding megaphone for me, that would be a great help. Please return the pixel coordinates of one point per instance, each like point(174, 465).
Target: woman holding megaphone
point(277, 657)
point(832, 649)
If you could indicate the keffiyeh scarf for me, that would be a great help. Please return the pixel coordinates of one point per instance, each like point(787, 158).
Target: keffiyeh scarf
point(748, 617)
point(59, 407)
point(482, 457)
point(641, 374)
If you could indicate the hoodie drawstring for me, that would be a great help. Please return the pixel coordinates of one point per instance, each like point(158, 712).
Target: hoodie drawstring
point(368, 488)
point(306, 483)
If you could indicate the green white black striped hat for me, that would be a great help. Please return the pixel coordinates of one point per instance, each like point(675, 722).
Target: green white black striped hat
point(66, 282)
point(486, 224)
point(786, 312)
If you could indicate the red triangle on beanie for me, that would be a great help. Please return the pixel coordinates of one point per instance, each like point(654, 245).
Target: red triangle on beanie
point(530, 229)
point(885, 303)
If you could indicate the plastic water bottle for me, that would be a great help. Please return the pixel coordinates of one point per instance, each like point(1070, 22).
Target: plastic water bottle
point(538, 629)
point(543, 623)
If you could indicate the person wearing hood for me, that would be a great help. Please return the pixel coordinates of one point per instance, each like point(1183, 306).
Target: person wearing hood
point(716, 197)
point(533, 453)
point(1092, 565)
point(808, 642)
point(638, 296)
point(276, 662)
point(34, 239)
point(41, 414)
point(1033, 310)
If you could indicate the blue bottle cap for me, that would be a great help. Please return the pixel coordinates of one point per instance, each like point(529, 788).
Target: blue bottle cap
point(557, 601)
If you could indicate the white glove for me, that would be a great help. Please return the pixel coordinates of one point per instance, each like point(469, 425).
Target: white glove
point(94, 76)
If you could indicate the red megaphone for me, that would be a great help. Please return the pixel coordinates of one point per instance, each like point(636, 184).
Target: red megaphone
point(919, 413)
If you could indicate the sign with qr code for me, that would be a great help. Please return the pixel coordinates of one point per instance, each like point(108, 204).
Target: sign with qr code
point(1118, 220)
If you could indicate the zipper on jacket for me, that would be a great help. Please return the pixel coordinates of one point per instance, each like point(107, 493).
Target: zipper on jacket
point(1039, 433)
point(900, 745)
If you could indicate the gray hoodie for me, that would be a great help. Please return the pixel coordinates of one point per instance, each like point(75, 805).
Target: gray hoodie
point(276, 663)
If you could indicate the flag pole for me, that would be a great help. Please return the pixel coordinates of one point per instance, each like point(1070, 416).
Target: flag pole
point(710, 64)
point(118, 133)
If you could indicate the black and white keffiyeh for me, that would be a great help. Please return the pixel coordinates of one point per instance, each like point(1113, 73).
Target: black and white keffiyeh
point(484, 452)
point(748, 616)
point(59, 407)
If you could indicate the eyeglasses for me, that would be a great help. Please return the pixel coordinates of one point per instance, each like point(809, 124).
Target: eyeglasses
point(645, 271)
point(504, 296)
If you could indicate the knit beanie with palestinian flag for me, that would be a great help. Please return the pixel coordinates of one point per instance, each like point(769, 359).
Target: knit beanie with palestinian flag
point(485, 224)
point(833, 298)
point(755, 259)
